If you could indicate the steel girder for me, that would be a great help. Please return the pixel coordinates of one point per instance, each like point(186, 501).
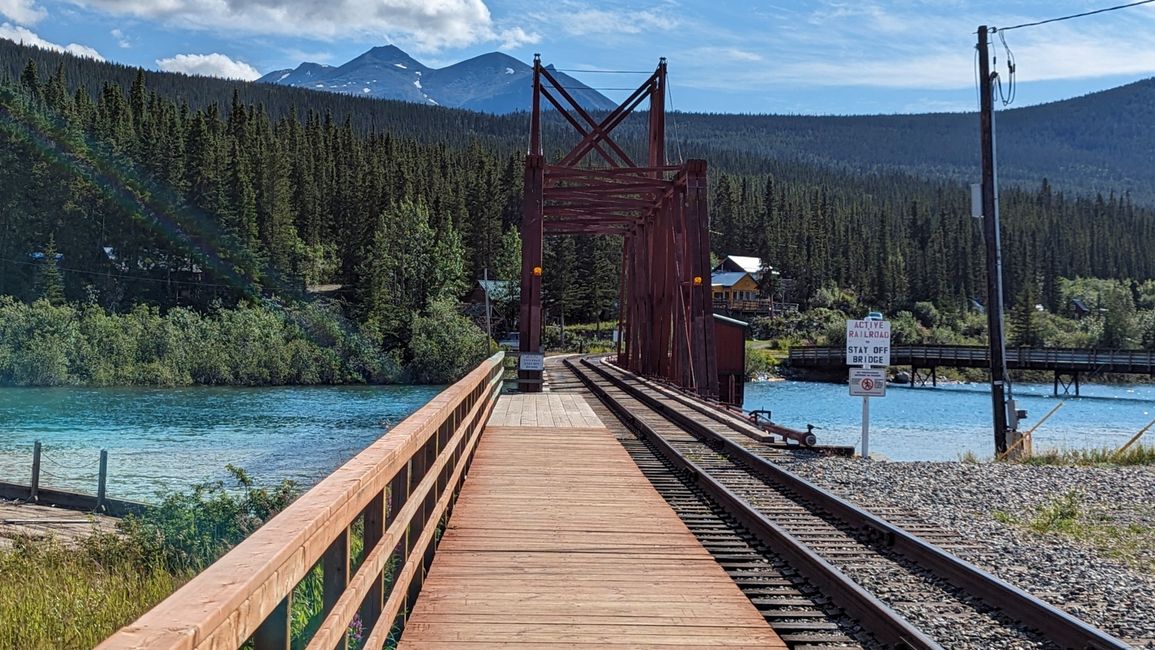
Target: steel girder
point(660, 211)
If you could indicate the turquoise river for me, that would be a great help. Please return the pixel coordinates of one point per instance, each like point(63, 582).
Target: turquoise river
point(170, 439)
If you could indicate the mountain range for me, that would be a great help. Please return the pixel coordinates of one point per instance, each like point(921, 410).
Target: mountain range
point(490, 83)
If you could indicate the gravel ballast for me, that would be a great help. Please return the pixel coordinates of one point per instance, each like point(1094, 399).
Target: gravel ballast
point(992, 504)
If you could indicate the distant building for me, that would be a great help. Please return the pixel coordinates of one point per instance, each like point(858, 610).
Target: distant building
point(497, 290)
point(743, 264)
point(730, 287)
point(1079, 307)
point(502, 310)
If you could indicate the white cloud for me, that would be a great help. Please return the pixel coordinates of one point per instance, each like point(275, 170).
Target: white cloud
point(209, 65)
point(24, 12)
point(585, 21)
point(28, 37)
point(516, 37)
point(121, 39)
point(726, 54)
point(876, 45)
point(429, 25)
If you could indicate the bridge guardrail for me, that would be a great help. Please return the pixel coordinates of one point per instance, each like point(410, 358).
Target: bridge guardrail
point(400, 487)
point(1063, 359)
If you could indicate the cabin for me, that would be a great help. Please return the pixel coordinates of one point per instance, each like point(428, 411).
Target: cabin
point(743, 264)
point(496, 290)
point(734, 290)
point(1079, 308)
point(501, 295)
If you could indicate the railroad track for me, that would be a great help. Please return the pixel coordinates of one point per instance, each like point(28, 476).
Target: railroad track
point(856, 578)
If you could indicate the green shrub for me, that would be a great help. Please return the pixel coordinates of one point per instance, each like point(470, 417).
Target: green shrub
point(445, 345)
point(759, 363)
point(48, 345)
point(188, 531)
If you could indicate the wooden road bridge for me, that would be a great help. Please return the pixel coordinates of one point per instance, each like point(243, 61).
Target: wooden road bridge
point(1066, 364)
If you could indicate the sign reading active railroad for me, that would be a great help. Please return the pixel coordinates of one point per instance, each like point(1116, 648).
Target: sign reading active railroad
point(867, 343)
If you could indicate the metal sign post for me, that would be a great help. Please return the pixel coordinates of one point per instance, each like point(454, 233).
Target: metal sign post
point(867, 345)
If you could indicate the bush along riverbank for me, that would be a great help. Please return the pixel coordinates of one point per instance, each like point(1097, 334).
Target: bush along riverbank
point(57, 596)
point(45, 344)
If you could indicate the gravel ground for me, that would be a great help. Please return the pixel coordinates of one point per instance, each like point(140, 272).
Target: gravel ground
point(1068, 573)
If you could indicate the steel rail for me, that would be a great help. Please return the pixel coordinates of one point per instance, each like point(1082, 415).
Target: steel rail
point(882, 621)
point(1057, 625)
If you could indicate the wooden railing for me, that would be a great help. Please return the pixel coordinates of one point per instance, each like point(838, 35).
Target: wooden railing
point(756, 306)
point(974, 356)
point(399, 490)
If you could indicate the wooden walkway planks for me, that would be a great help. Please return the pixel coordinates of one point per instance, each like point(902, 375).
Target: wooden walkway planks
point(559, 540)
point(30, 520)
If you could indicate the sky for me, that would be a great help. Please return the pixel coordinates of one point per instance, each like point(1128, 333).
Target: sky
point(725, 56)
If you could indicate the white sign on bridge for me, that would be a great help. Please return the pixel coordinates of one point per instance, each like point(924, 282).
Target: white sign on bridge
point(867, 343)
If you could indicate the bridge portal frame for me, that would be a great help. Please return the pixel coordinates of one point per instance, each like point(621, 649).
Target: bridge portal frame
point(660, 210)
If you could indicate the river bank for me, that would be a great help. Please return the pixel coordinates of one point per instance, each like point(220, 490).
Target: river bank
point(252, 344)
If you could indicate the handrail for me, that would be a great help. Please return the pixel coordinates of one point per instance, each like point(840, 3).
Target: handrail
point(1141, 361)
point(397, 487)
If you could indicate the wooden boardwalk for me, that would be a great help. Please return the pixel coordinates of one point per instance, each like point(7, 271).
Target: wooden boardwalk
point(559, 540)
point(30, 520)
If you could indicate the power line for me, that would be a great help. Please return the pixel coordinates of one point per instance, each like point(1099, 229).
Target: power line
point(592, 87)
point(605, 71)
point(1086, 13)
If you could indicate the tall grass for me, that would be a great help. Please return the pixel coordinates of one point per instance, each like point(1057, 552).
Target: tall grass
point(1136, 455)
point(53, 596)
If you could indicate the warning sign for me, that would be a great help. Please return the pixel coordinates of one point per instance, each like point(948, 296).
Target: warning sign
point(531, 361)
point(867, 343)
point(867, 382)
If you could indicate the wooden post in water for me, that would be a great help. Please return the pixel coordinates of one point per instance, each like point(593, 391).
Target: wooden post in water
point(102, 480)
point(33, 493)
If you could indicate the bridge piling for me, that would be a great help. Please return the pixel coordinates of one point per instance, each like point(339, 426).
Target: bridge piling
point(1072, 379)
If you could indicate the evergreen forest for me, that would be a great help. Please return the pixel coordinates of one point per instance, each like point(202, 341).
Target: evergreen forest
point(368, 221)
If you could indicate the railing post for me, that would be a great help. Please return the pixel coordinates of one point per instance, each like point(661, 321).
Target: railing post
point(335, 576)
point(375, 525)
point(34, 490)
point(275, 633)
point(102, 480)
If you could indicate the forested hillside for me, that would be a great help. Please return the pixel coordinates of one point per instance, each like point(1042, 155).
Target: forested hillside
point(1099, 143)
point(118, 194)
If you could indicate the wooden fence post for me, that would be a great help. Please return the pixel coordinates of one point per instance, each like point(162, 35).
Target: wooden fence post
point(102, 480)
point(35, 489)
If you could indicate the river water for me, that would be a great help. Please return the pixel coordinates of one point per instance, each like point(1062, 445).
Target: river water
point(945, 422)
point(170, 439)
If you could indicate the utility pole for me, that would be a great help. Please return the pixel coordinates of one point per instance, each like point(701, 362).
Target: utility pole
point(1000, 386)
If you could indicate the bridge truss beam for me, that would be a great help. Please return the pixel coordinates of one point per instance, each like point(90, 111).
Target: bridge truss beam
point(660, 211)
